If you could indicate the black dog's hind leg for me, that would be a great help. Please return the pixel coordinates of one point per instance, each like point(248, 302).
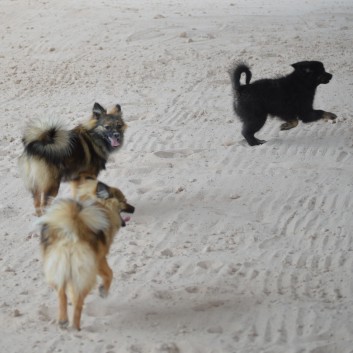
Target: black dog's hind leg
point(315, 115)
point(329, 116)
point(251, 127)
point(289, 124)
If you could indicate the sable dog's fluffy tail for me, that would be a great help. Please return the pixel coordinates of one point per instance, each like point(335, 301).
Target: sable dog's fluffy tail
point(48, 139)
point(67, 238)
point(235, 74)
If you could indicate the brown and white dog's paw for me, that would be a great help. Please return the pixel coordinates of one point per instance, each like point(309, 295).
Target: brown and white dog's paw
point(63, 324)
point(103, 292)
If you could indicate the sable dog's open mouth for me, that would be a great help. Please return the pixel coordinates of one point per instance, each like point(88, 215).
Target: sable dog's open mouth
point(124, 220)
point(114, 141)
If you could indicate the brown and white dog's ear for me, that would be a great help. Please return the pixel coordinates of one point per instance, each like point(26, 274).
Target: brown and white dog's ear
point(102, 191)
point(98, 110)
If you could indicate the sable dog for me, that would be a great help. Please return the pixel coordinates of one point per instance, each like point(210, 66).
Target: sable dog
point(53, 153)
point(290, 98)
point(75, 239)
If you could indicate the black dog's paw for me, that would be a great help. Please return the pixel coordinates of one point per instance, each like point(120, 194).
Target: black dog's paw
point(289, 125)
point(329, 116)
point(252, 140)
point(256, 142)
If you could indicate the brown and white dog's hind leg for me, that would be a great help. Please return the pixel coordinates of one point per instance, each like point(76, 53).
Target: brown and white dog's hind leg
point(78, 306)
point(63, 318)
point(106, 273)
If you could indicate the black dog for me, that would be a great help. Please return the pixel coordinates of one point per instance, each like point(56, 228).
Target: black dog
point(290, 98)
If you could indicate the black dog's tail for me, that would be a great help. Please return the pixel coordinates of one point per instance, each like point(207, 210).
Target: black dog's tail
point(235, 74)
point(48, 139)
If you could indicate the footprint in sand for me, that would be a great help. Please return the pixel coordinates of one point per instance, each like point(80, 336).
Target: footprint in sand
point(164, 154)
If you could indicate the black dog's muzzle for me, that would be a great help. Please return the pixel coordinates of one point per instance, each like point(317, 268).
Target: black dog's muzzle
point(325, 78)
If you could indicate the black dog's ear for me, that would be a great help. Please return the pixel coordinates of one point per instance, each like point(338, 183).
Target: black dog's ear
point(102, 191)
point(98, 110)
point(302, 66)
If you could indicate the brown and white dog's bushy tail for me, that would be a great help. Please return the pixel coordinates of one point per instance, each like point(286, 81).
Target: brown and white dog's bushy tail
point(48, 139)
point(235, 74)
point(67, 231)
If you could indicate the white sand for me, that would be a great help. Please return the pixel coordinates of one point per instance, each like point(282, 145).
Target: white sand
point(232, 248)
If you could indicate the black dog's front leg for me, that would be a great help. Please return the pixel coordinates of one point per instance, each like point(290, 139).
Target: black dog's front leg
point(315, 115)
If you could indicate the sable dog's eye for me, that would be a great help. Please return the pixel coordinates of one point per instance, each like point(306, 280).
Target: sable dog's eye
point(107, 127)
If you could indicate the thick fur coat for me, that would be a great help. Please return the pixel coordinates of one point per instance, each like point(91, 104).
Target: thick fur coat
point(53, 153)
point(76, 235)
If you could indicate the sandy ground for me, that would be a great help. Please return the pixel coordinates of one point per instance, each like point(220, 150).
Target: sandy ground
point(232, 248)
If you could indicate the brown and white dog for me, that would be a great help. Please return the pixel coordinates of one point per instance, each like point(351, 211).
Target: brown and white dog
point(76, 235)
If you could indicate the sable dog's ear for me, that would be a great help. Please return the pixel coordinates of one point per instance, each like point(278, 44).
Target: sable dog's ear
point(115, 110)
point(98, 110)
point(102, 191)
